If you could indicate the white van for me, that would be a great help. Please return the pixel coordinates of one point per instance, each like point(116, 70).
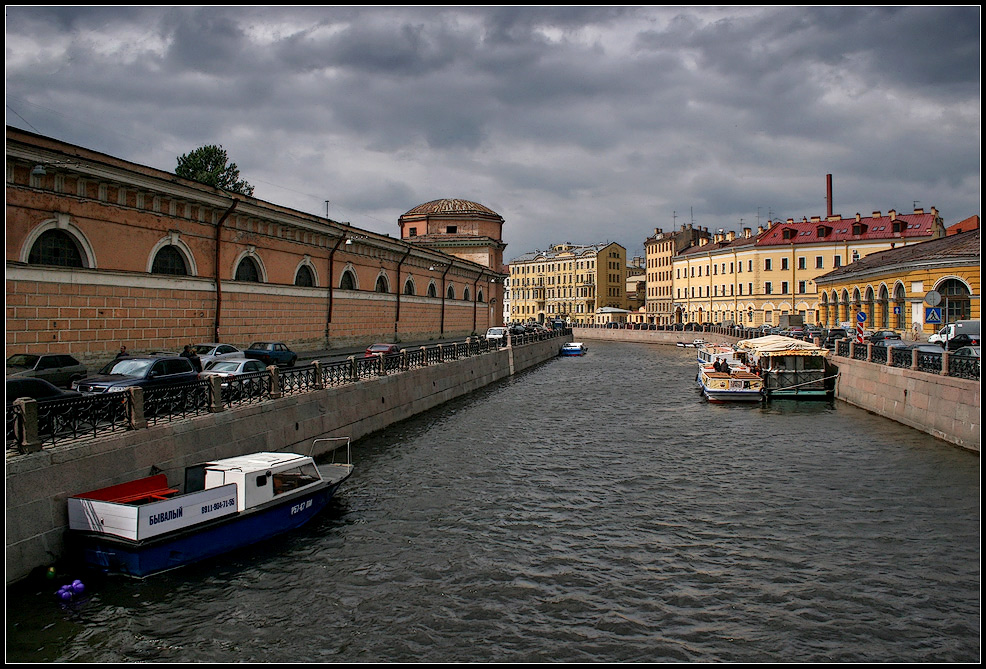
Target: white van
point(943, 336)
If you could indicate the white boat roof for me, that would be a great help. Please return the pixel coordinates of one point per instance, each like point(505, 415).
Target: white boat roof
point(779, 344)
point(255, 461)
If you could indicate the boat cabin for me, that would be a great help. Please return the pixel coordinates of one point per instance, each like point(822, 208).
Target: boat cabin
point(259, 477)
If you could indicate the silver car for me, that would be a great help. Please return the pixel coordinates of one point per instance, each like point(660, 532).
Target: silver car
point(209, 352)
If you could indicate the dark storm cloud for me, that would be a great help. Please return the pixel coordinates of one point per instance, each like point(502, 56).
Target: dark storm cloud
point(587, 123)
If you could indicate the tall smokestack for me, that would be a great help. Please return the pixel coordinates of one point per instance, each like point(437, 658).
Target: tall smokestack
point(828, 195)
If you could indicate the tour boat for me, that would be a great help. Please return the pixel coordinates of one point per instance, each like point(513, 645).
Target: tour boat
point(739, 385)
point(574, 348)
point(146, 526)
point(790, 368)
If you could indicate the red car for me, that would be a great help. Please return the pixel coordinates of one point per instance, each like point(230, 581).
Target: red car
point(385, 349)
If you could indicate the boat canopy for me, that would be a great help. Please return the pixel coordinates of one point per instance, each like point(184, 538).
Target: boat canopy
point(778, 345)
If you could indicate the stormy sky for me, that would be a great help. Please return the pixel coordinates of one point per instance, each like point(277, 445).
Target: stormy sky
point(576, 124)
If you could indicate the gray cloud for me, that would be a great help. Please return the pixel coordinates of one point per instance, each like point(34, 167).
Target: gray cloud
point(577, 124)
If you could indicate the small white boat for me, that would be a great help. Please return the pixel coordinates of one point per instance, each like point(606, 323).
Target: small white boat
point(573, 348)
point(695, 343)
point(147, 526)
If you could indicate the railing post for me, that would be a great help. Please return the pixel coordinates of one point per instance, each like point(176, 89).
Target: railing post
point(353, 372)
point(135, 408)
point(424, 356)
point(914, 359)
point(381, 365)
point(944, 362)
point(216, 394)
point(405, 362)
point(869, 352)
point(319, 384)
point(26, 428)
point(275, 382)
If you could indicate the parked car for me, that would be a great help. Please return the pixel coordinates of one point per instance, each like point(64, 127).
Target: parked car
point(209, 352)
point(381, 349)
point(925, 348)
point(232, 367)
point(59, 369)
point(882, 335)
point(36, 389)
point(967, 352)
point(963, 340)
point(834, 335)
point(499, 334)
point(142, 371)
point(272, 353)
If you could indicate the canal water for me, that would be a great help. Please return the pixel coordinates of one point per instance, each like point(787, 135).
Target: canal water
point(592, 509)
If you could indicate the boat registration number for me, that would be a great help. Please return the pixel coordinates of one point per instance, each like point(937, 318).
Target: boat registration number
point(298, 508)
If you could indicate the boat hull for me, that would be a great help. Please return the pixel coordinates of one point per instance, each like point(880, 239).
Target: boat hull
point(143, 558)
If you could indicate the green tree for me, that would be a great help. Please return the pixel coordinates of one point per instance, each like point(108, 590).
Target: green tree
point(210, 165)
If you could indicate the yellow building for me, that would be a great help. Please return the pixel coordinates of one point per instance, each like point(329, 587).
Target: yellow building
point(754, 280)
point(568, 281)
point(892, 287)
point(660, 250)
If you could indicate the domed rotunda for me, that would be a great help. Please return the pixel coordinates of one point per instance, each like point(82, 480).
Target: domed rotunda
point(461, 228)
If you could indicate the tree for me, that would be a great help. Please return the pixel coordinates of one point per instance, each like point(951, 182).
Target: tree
point(208, 165)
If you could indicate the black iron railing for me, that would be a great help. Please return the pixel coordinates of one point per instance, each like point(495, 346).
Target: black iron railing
point(33, 425)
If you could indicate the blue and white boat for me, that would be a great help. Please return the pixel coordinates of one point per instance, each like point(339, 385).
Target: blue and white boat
point(573, 348)
point(146, 526)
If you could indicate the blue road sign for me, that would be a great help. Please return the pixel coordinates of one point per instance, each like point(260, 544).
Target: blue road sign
point(861, 317)
point(932, 315)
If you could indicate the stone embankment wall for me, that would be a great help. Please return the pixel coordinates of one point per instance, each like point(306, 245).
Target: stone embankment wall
point(943, 406)
point(39, 483)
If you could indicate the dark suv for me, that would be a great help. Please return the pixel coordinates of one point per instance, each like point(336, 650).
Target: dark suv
point(143, 371)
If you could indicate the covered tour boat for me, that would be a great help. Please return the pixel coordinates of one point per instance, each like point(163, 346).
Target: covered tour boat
point(147, 526)
point(790, 368)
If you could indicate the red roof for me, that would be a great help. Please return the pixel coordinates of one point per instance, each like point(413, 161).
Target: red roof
point(869, 228)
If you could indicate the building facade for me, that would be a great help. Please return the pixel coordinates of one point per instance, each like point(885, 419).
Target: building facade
point(568, 281)
point(103, 252)
point(753, 280)
point(914, 289)
point(660, 250)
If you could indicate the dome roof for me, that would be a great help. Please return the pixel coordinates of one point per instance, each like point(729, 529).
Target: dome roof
point(451, 206)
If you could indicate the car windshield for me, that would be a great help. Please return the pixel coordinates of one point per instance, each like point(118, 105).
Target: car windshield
point(22, 360)
point(260, 346)
point(203, 349)
point(128, 367)
point(223, 366)
point(380, 347)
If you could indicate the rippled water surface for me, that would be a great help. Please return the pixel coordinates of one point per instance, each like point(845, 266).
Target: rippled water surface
point(592, 509)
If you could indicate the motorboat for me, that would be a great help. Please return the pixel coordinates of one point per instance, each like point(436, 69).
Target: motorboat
point(695, 343)
point(573, 348)
point(146, 526)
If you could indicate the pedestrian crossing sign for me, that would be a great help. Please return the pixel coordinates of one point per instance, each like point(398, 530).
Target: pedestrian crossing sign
point(932, 315)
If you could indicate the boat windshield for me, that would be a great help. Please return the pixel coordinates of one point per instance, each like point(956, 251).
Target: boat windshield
point(297, 477)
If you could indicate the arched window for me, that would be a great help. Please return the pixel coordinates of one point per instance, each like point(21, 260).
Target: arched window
point(348, 281)
point(247, 270)
point(450, 293)
point(381, 286)
point(465, 294)
point(432, 291)
point(899, 307)
point(169, 260)
point(304, 277)
point(409, 287)
point(957, 300)
point(479, 295)
point(56, 247)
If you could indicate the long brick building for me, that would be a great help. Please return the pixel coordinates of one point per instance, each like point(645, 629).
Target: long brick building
point(103, 252)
